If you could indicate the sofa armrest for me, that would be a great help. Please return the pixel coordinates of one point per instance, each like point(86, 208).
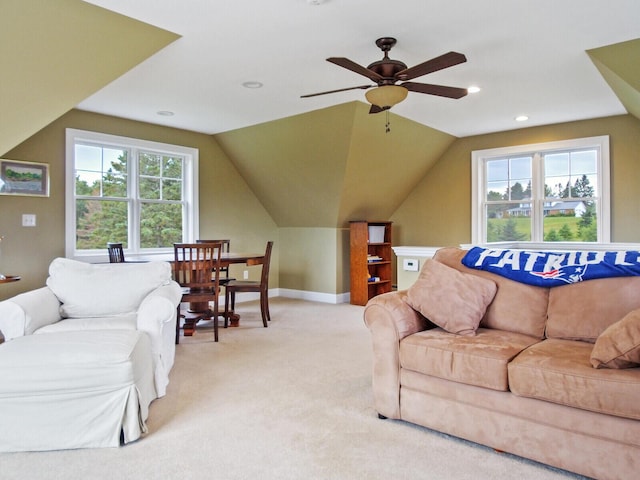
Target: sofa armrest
point(391, 309)
point(390, 319)
point(27, 312)
point(158, 308)
point(157, 316)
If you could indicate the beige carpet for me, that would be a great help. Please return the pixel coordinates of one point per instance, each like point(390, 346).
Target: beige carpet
point(292, 401)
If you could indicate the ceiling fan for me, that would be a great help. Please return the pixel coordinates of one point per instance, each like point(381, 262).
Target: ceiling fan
point(387, 72)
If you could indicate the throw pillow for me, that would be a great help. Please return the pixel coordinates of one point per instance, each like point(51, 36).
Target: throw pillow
point(453, 300)
point(619, 345)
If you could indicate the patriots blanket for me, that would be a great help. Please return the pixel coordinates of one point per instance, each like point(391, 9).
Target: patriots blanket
point(551, 269)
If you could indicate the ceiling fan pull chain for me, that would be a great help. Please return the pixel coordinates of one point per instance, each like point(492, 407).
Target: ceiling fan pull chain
point(388, 124)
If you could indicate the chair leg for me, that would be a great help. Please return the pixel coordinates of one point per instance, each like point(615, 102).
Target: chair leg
point(266, 305)
point(215, 323)
point(178, 325)
point(226, 307)
point(264, 308)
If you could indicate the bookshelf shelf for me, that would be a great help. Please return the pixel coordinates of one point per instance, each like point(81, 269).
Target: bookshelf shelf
point(370, 259)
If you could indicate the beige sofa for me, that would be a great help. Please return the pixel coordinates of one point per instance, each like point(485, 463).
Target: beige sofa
point(525, 381)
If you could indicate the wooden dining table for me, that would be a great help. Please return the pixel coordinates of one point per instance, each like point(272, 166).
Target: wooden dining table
point(226, 259)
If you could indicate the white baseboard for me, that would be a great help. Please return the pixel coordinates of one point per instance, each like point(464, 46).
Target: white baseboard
point(299, 294)
point(315, 296)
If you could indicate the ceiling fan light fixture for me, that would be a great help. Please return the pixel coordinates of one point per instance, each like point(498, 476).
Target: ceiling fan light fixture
point(386, 96)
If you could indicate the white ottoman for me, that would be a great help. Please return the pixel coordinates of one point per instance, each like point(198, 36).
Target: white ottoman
point(74, 389)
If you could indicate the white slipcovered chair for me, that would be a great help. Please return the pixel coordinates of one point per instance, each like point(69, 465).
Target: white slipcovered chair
point(84, 356)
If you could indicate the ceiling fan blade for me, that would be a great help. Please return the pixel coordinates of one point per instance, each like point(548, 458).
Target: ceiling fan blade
point(443, 61)
point(354, 67)
point(361, 87)
point(440, 90)
point(377, 109)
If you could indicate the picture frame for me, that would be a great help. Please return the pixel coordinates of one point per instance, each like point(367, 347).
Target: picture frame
point(24, 178)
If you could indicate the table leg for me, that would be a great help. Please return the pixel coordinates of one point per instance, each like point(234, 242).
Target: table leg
point(198, 307)
point(234, 319)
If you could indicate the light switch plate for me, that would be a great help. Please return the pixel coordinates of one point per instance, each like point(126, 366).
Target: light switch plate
point(28, 220)
point(410, 264)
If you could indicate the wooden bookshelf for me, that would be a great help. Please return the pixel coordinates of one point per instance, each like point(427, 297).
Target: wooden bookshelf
point(370, 260)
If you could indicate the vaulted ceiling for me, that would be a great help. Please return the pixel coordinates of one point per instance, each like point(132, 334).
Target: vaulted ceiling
point(527, 58)
point(56, 54)
point(330, 166)
point(321, 161)
point(619, 64)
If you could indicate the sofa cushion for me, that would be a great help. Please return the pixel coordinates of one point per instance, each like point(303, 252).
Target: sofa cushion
point(98, 290)
point(559, 371)
point(452, 300)
point(619, 345)
point(583, 310)
point(516, 307)
point(480, 360)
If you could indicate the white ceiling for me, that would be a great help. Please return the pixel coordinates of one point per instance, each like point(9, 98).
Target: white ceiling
point(528, 58)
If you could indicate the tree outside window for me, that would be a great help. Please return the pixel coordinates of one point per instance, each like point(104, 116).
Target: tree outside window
point(140, 197)
point(551, 193)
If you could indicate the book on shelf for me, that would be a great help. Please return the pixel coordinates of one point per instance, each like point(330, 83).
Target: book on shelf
point(373, 258)
point(373, 279)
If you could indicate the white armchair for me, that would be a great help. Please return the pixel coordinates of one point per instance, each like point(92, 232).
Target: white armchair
point(82, 296)
point(86, 355)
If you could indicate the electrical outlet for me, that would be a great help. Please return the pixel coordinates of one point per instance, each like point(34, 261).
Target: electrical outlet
point(410, 264)
point(245, 275)
point(28, 220)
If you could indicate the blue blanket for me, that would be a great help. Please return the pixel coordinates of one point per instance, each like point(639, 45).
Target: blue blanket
point(551, 269)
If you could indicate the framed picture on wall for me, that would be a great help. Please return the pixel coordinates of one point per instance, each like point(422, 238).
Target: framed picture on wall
point(24, 178)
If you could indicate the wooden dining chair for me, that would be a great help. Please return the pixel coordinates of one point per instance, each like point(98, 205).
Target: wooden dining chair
point(224, 271)
point(116, 252)
point(196, 268)
point(262, 287)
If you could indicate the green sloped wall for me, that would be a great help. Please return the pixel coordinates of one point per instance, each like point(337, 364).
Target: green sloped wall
point(324, 168)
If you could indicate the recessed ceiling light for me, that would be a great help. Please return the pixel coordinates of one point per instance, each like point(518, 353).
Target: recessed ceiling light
point(473, 89)
point(165, 113)
point(522, 118)
point(252, 84)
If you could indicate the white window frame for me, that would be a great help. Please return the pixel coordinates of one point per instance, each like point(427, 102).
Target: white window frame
point(478, 193)
point(190, 226)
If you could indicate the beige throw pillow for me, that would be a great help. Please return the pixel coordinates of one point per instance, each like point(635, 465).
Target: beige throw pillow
point(619, 345)
point(453, 300)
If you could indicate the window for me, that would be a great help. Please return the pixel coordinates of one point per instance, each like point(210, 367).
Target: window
point(139, 193)
point(549, 192)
